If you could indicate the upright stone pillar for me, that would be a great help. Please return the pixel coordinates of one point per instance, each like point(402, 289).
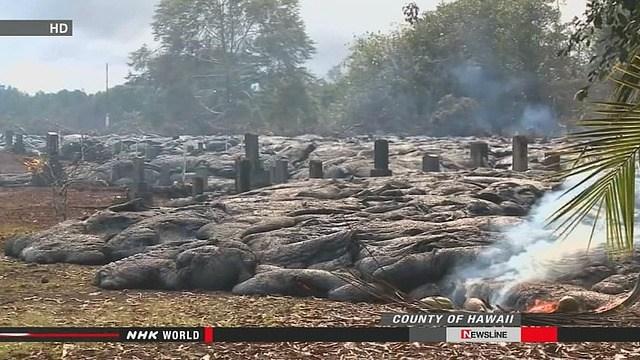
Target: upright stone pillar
point(140, 188)
point(479, 154)
point(252, 150)
point(197, 186)
point(381, 159)
point(56, 173)
point(8, 140)
point(138, 169)
point(520, 153)
point(243, 175)
point(381, 154)
point(431, 163)
point(18, 145)
point(552, 161)
point(316, 170)
point(281, 171)
point(165, 176)
point(53, 144)
point(203, 173)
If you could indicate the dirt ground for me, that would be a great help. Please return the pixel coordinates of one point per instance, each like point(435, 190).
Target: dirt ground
point(63, 295)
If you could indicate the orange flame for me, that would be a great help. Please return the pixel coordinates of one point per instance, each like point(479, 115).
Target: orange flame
point(543, 307)
point(34, 165)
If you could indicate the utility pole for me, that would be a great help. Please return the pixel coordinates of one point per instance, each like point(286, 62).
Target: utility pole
point(106, 117)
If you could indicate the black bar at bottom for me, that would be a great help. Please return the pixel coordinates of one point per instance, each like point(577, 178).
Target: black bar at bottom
point(598, 334)
point(289, 334)
point(311, 334)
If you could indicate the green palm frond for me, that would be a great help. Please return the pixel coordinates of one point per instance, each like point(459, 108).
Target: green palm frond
point(605, 151)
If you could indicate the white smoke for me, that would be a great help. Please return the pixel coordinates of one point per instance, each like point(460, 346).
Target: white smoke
point(496, 94)
point(529, 247)
point(539, 118)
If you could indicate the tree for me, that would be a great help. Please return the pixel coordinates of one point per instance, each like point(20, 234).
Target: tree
point(611, 28)
point(218, 59)
point(608, 148)
point(222, 65)
point(608, 145)
point(287, 102)
point(501, 54)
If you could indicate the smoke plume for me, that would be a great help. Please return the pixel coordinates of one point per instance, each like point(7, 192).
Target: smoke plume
point(529, 248)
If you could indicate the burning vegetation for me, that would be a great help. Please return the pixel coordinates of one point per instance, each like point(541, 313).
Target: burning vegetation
point(35, 165)
point(543, 306)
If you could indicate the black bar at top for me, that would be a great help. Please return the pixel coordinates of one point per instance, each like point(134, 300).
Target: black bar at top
point(36, 28)
point(311, 334)
point(598, 334)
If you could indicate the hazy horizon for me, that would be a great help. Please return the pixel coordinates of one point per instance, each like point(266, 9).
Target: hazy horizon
point(106, 32)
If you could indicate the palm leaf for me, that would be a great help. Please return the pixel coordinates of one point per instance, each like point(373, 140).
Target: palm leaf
point(607, 146)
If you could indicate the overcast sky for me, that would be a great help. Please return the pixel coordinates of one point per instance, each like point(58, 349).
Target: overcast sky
point(107, 31)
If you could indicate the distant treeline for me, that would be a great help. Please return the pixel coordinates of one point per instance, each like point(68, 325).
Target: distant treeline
point(468, 67)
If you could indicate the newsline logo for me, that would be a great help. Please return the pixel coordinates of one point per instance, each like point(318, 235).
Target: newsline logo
point(483, 334)
point(474, 334)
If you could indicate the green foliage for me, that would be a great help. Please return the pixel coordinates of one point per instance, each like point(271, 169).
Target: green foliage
point(607, 150)
point(222, 63)
point(608, 145)
point(65, 108)
point(468, 67)
point(611, 28)
point(500, 53)
point(74, 110)
point(453, 114)
point(288, 105)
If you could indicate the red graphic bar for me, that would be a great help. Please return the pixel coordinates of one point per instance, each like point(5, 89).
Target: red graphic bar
point(208, 335)
point(535, 334)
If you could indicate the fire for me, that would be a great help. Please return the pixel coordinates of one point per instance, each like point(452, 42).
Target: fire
point(543, 307)
point(34, 165)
